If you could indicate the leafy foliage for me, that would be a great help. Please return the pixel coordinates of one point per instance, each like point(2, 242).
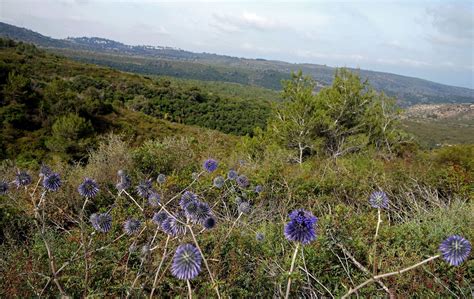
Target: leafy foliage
point(346, 117)
point(39, 91)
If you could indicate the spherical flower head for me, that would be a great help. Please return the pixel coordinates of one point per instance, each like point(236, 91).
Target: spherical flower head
point(45, 170)
point(218, 182)
point(88, 188)
point(154, 199)
point(160, 217)
point(186, 198)
point(258, 189)
point(301, 227)
point(210, 165)
point(121, 173)
point(132, 226)
point(52, 182)
point(3, 187)
point(191, 208)
point(124, 183)
point(186, 262)
point(242, 181)
point(102, 222)
point(22, 178)
point(209, 223)
point(259, 237)
point(379, 200)
point(244, 207)
point(161, 179)
point(232, 174)
point(198, 211)
point(175, 225)
point(144, 188)
point(455, 250)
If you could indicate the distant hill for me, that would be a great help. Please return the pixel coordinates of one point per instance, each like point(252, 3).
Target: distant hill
point(158, 60)
point(440, 124)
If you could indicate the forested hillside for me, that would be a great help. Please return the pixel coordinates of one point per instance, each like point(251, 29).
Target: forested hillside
point(161, 60)
point(50, 103)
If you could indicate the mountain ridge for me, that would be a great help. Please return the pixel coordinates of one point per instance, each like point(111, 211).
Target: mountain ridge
point(162, 60)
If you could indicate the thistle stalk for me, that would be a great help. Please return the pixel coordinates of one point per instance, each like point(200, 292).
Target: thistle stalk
point(288, 286)
point(377, 277)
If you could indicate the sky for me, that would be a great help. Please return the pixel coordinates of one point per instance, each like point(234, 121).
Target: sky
point(433, 40)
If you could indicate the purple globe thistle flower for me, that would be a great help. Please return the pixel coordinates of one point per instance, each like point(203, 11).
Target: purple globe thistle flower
point(218, 182)
point(210, 165)
point(455, 250)
point(52, 182)
point(160, 217)
point(132, 226)
point(102, 222)
point(242, 181)
point(175, 226)
point(244, 207)
point(232, 174)
point(186, 198)
point(259, 237)
point(161, 179)
point(186, 262)
point(22, 178)
point(198, 211)
point(258, 189)
point(209, 223)
point(144, 189)
point(3, 187)
point(378, 200)
point(301, 227)
point(124, 183)
point(154, 199)
point(45, 170)
point(88, 188)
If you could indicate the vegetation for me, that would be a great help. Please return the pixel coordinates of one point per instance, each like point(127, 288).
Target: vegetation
point(345, 117)
point(212, 67)
point(79, 120)
point(44, 98)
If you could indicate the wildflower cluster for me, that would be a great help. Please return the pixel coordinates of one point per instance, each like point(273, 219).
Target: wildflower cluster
point(176, 217)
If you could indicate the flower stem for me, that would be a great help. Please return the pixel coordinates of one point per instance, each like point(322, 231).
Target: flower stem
point(190, 291)
point(377, 277)
point(205, 262)
point(233, 225)
point(379, 221)
point(159, 267)
point(291, 271)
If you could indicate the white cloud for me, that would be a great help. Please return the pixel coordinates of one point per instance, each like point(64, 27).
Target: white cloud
point(245, 21)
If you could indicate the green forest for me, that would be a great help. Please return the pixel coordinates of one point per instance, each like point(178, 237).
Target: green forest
point(112, 183)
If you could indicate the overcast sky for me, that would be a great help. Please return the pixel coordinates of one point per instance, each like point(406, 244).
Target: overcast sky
point(433, 40)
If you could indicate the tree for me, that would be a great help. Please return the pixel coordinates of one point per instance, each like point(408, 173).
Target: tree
point(345, 117)
point(70, 135)
point(293, 123)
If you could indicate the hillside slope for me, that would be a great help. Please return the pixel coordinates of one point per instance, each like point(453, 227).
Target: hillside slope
point(159, 60)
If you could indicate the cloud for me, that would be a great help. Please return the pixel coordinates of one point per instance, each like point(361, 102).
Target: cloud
point(453, 24)
point(245, 21)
